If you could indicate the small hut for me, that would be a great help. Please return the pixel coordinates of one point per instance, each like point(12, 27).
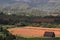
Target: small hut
point(49, 34)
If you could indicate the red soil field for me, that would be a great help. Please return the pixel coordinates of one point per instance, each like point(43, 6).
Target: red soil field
point(32, 31)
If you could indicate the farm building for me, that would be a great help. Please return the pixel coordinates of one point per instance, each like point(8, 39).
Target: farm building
point(49, 34)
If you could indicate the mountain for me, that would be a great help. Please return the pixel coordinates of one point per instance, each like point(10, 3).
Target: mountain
point(34, 4)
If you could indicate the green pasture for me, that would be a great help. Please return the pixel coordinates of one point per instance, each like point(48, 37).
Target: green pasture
point(36, 38)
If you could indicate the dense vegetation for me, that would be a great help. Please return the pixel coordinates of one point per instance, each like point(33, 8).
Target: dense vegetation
point(20, 20)
point(4, 34)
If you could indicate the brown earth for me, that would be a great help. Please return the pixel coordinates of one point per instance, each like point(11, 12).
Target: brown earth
point(32, 31)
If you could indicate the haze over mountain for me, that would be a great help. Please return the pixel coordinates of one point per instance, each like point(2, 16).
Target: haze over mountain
point(35, 4)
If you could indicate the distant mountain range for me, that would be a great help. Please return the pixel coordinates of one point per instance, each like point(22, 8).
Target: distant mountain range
point(25, 4)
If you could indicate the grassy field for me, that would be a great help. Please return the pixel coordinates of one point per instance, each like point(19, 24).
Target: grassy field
point(37, 38)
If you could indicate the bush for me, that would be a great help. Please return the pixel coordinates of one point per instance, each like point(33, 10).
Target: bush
point(35, 24)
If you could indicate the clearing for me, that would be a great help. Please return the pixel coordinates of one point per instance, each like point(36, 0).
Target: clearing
point(33, 31)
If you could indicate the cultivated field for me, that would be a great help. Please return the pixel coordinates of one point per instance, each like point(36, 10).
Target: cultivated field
point(33, 31)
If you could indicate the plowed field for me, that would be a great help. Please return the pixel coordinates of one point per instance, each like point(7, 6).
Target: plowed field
point(33, 31)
